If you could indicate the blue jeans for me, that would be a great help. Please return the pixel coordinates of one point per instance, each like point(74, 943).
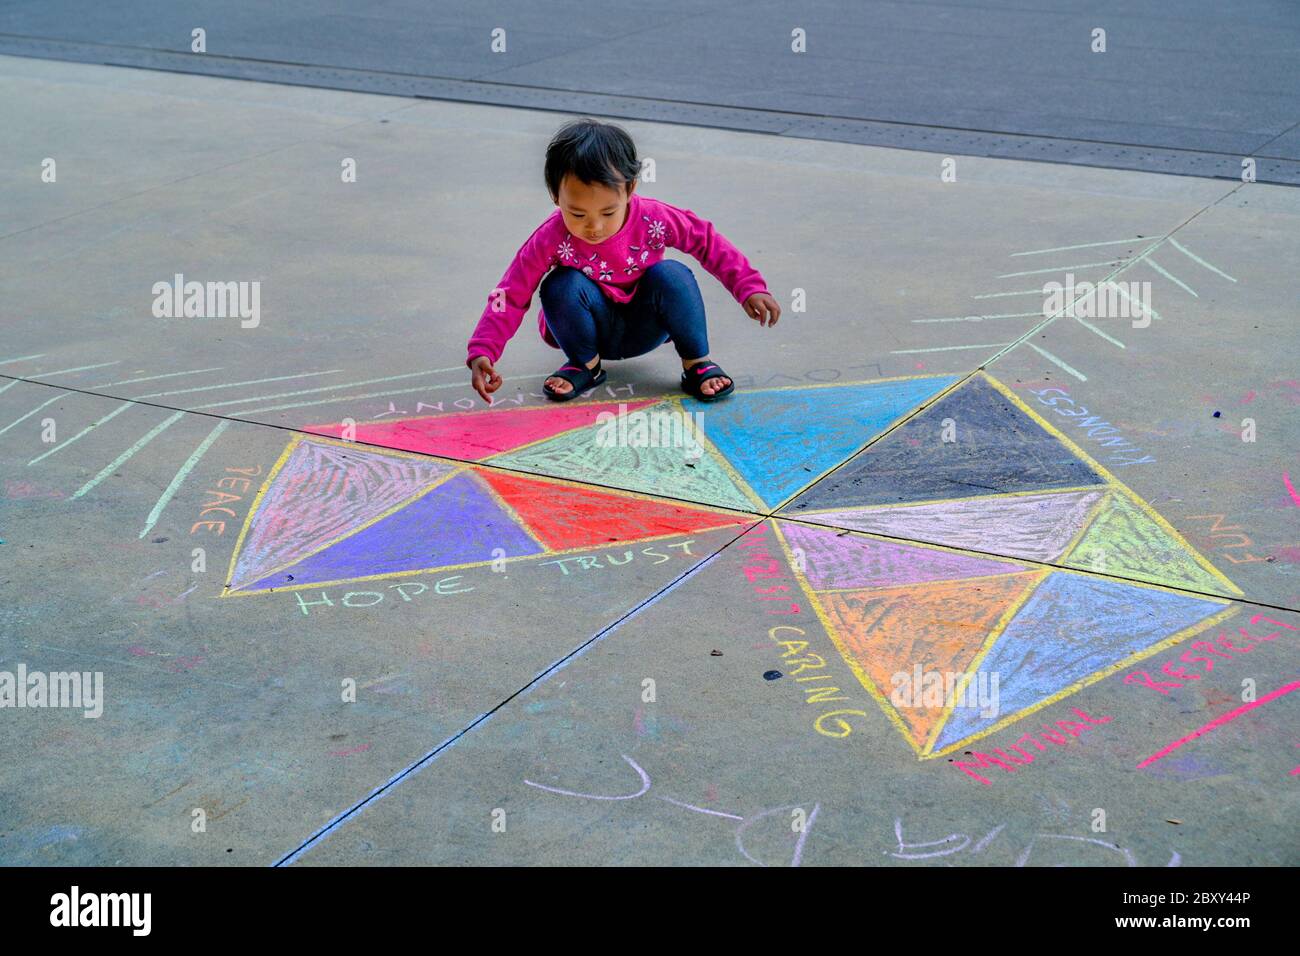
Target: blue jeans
point(666, 305)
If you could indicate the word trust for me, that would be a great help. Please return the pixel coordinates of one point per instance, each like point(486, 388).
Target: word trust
point(208, 300)
point(73, 690)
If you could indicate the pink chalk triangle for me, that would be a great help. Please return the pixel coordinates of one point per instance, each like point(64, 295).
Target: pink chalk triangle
point(474, 436)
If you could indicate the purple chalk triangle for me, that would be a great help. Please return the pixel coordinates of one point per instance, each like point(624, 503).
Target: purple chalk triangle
point(833, 562)
point(458, 522)
point(1038, 527)
point(320, 492)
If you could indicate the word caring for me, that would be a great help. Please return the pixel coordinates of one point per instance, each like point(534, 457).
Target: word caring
point(919, 688)
point(1000, 757)
point(67, 689)
point(103, 909)
point(640, 429)
point(208, 300)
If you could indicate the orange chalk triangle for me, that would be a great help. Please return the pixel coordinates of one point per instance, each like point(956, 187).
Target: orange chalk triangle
point(937, 627)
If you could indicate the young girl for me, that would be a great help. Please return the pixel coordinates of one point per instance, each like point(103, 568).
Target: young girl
point(610, 292)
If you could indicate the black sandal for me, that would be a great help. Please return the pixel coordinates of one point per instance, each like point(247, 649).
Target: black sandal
point(701, 372)
point(582, 379)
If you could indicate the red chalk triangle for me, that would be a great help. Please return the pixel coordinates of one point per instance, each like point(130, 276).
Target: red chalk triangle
point(564, 516)
point(474, 436)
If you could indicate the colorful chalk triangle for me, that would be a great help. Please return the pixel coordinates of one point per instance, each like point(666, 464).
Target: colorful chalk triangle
point(318, 492)
point(1125, 541)
point(994, 448)
point(782, 439)
point(837, 560)
point(563, 516)
point(1039, 527)
point(457, 522)
point(905, 640)
point(473, 436)
point(656, 453)
point(1072, 630)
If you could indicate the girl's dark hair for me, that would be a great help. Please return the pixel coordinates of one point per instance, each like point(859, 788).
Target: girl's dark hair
point(595, 152)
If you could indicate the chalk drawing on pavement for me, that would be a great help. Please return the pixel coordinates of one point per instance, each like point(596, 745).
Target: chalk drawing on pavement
point(1122, 583)
point(332, 512)
point(1008, 482)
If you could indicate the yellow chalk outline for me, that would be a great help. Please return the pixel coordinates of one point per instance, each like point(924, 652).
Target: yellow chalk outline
point(1044, 571)
point(351, 531)
point(709, 448)
point(1091, 679)
point(895, 587)
point(742, 517)
point(917, 409)
point(1102, 500)
point(1100, 486)
point(1114, 482)
point(650, 403)
point(252, 508)
point(486, 563)
point(986, 647)
point(1109, 484)
point(833, 633)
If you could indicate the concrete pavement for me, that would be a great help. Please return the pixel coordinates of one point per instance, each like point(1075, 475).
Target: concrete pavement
point(345, 613)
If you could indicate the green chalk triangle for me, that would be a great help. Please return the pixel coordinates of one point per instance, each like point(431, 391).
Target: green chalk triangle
point(1125, 541)
point(667, 470)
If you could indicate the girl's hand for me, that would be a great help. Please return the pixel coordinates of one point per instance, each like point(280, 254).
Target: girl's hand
point(485, 379)
point(763, 308)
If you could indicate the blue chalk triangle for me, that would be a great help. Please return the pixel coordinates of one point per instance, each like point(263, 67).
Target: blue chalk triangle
point(781, 440)
point(1072, 627)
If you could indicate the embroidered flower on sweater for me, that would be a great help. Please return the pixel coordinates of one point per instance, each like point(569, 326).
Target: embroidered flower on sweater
point(586, 270)
point(632, 267)
point(606, 273)
point(656, 233)
point(565, 250)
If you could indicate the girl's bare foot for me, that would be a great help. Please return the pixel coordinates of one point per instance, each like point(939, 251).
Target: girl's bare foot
point(562, 386)
point(711, 385)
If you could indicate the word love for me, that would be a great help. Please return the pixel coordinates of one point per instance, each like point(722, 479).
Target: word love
point(1222, 648)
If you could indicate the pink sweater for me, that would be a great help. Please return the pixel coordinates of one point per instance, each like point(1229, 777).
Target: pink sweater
point(616, 265)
